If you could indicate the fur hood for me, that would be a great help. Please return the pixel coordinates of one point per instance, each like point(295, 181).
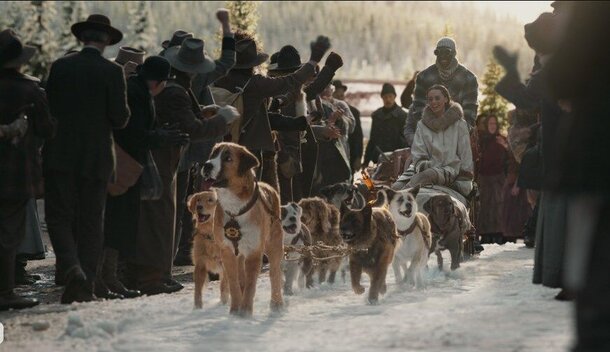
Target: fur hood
point(437, 124)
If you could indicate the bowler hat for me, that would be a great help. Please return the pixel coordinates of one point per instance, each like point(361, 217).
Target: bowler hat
point(339, 85)
point(388, 88)
point(155, 68)
point(127, 54)
point(247, 54)
point(288, 59)
point(537, 33)
point(12, 52)
point(189, 57)
point(177, 38)
point(98, 23)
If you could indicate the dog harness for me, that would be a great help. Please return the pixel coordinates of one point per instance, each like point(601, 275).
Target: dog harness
point(232, 228)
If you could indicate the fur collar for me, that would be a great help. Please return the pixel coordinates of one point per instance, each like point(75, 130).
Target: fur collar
point(438, 124)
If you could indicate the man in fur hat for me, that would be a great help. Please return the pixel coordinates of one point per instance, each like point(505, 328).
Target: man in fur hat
point(447, 71)
point(87, 97)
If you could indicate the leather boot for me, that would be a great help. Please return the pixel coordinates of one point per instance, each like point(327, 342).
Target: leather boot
point(78, 289)
point(10, 300)
point(109, 275)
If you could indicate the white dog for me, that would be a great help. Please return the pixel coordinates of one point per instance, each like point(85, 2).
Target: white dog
point(413, 228)
point(296, 234)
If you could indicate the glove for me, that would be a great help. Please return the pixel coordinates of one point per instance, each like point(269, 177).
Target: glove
point(169, 136)
point(228, 113)
point(15, 129)
point(319, 48)
point(507, 60)
point(334, 61)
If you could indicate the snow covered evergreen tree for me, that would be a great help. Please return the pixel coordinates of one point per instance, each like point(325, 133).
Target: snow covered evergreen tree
point(142, 30)
point(37, 31)
point(14, 15)
point(493, 104)
point(244, 16)
point(71, 12)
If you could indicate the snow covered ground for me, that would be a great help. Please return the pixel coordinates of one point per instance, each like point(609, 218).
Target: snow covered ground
point(487, 305)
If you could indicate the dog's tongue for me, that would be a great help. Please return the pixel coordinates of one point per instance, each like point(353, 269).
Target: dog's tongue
point(207, 184)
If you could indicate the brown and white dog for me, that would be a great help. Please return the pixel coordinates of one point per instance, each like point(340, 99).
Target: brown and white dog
point(374, 231)
point(322, 219)
point(413, 228)
point(296, 234)
point(246, 224)
point(206, 253)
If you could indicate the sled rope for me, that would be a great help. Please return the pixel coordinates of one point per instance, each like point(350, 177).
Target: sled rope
point(335, 252)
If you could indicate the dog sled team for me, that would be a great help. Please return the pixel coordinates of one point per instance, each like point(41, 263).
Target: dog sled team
point(240, 219)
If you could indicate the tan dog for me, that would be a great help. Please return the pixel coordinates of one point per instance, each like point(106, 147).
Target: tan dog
point(246, 225)
point(206, 251)
point(322, 220)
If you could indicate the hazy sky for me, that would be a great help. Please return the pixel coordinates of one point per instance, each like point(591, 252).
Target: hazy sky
point(524, 11)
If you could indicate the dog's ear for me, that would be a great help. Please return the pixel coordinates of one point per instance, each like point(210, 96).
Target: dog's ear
point(428, 205)
point(414, 191)
point(191, 203)
point(247, 161)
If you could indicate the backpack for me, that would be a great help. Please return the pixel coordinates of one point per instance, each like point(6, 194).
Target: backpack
point(223, 97)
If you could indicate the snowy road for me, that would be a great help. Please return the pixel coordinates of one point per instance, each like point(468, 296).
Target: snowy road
point(487, 305)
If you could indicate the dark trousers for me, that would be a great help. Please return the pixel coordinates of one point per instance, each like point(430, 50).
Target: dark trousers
point(184, 224)
point(267, 172)
point(12, 232)
point(74, 208)
point(593, 300)
point(121, 221)
point(291, 189)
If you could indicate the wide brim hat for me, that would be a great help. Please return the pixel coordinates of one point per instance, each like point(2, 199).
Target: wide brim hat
point(339, 85)
point(190, 57)
point(247, 54)
point(13, 53)
point(98, 23)
point(177, 38)
point(288, 60)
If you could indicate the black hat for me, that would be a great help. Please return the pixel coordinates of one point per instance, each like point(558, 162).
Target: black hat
point(177, 38)
point(339, 85)
point(247, 54)
point(12, 52)
point(273, 61)
point(537, 33)
point(190, 57)
point(99, 23)
point(127, 54)
point(155, 68)
point(288, 59)
point(388, 88)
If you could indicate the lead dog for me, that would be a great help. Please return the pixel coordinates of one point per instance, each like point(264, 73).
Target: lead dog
point(298, 235)
point(448, 228)
point(373, 230)
point(206, 252)
point(413, 228)
point(246, 224)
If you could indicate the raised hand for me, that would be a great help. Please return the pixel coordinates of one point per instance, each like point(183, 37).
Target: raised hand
point(334, 61)
point(319, 48)
point(506, 59)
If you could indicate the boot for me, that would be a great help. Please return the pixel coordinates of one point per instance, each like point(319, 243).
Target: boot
point(78, 289)
point(21, 276)
point(10, 300)
point(109, 275)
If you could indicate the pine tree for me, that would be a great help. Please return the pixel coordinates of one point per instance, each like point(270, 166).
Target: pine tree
point(493, 104)
point(37, 31)
point(71, 12)
point(244, 16)
point(142, 29)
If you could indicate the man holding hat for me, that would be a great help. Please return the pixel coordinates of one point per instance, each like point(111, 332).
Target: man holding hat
point(447, 71)
point(388, 122)
point(355, 139)
point(87, 97)
point(176, 105)
point(139, 136)
point(24, 111)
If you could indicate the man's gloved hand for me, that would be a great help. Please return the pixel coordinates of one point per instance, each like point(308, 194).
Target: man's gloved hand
point(334, 61)
point(507, 60)
point(319, 48)
point(170, 135)
point(228, 113)
point(16, 129)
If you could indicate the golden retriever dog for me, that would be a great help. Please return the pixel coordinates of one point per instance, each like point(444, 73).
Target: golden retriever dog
point(206, 251)
point(246, 225)
point(322, 220)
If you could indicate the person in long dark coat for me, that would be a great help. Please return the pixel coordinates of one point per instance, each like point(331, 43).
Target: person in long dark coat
point(20, 172)
point(175, 105)
point(386, 129)
point(87, 97)
point(139, 136)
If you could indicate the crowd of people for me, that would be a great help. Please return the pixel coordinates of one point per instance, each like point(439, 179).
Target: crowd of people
point(114, 147)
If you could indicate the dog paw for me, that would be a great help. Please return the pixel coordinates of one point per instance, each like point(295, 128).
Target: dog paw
point(198, 305)
point(358, 290)
point(276, 307)
point(288, 292)
point(373, 301)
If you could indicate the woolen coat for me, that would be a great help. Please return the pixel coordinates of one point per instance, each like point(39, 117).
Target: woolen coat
point(85, 117)
point(386, 132)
